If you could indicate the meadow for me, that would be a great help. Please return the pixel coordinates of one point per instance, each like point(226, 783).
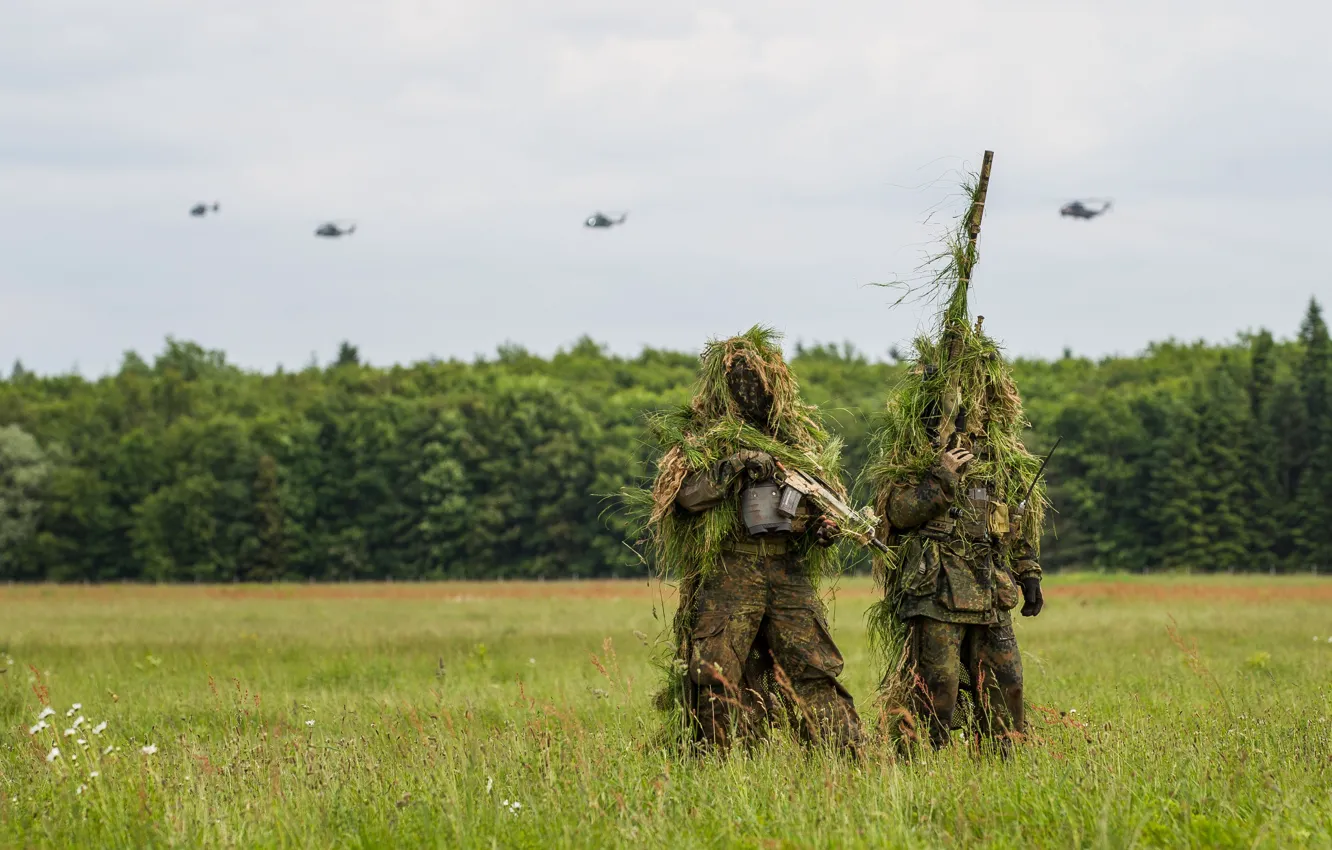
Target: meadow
point(1166, 711)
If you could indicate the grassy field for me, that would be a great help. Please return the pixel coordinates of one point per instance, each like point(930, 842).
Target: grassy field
point(518, 715)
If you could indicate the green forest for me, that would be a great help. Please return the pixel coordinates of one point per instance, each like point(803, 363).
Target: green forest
point(1186, 457)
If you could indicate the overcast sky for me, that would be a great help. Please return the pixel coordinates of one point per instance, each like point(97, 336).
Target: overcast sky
point(775, 159)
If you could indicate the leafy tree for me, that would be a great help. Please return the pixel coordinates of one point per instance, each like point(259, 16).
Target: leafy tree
point(24, 472)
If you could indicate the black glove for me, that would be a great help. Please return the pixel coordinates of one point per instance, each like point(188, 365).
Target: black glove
point(759, 465)
point(1031, 596)
point(825, 532)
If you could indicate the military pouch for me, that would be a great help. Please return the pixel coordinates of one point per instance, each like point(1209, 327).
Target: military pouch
point(976, 518)
point(790, 502)
point(964, 592)
point(759, 507)
point(1015, 519)
point(998, 518)
point(938, 529)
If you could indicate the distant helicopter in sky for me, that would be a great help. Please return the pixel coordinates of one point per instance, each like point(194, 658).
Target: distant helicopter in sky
point(1079, 209)
point(198, 210)
point(332, 230)
point(602, 220)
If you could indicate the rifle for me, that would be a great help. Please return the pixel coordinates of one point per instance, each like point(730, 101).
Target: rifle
point(1032, 488)
point(858, 525)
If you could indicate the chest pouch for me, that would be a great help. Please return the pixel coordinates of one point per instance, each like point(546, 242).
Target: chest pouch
point(760, 507)
point(976, 517)
point(999, 519)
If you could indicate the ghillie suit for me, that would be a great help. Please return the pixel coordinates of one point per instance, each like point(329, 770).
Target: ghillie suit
point(962, 536)
point(750, 641)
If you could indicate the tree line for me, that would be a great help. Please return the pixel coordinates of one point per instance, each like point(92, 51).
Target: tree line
point(188, 468)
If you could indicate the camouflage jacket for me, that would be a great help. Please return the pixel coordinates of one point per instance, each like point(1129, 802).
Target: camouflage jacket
point(954, 568)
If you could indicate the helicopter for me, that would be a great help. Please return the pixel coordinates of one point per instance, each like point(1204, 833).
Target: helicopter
point(331, 229)
point(1079, 209)
point(602, 220)
point(198, 210)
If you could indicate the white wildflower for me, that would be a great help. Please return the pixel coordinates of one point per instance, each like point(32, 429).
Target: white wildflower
point(99, 728)
point(78, 705)
point(82, 743)
point(490, 783)
point(517, 805)
point(309, 723)
point(81, 789)
point(1072, 711)
point(80, 721)
point(46, 712)
point(1329, 640)
point(531, 661)
point(70, 733)
point(94, 774)
point(149, 750)
point(41, 724)
point(53, 755)
point(108, 751)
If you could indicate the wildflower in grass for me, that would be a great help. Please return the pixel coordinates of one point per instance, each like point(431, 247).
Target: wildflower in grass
point(531, 661)
point(79, 721)
point(53, 755)
point(149, 749)
point(80, 789)
point(309, 723)
point(82, 743)
point(70, 733)
point(108, 751)
point(41, 724)
point(46, 712)
point(99, 728)
point(94, 774)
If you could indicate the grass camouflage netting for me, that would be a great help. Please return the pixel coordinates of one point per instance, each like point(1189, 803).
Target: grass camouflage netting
point(960, 383)
point(684, 548)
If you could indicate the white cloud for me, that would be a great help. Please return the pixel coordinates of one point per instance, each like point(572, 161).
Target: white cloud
point(768, 154)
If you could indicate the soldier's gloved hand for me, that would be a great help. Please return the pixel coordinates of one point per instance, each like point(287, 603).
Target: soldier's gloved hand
point(759, 465)
point(825, 532)
point(1033, 602)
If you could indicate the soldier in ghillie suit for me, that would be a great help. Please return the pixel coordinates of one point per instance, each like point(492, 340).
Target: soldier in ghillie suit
point(750, 639)
point(964, 512)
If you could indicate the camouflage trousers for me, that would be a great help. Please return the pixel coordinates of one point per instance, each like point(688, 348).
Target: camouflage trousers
point(940, 654)
point(759, 644)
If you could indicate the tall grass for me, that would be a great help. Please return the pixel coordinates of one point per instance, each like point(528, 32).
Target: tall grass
point(1167, 714)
